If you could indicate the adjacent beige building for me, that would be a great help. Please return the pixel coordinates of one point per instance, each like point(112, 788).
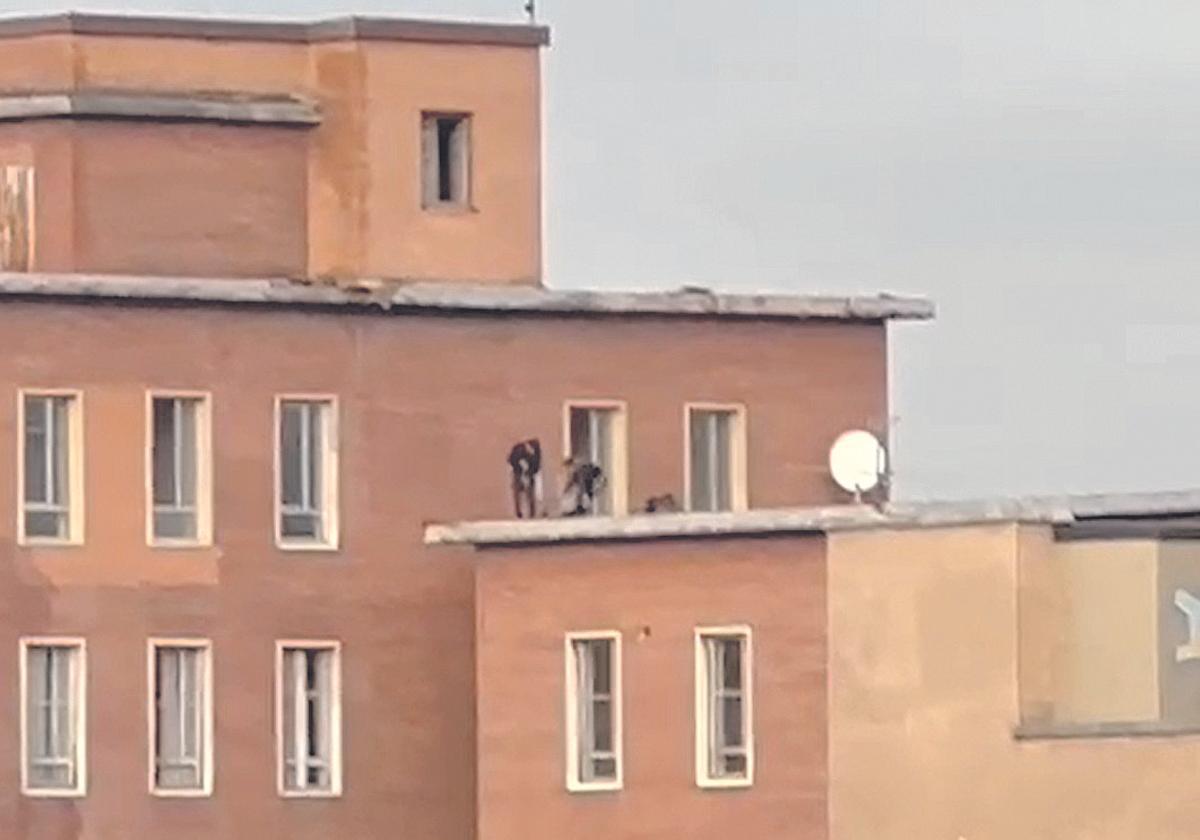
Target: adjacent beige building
point(1013, 679)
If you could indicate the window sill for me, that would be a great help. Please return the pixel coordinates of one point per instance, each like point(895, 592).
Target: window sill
point(53, 793)
point(179, 545)
point(283, 545)
point(168, 793)
point(450, 208)
point(310, 794)
point(47, 542)
point(1128, 729)
point(724, 784)
point(594, 787)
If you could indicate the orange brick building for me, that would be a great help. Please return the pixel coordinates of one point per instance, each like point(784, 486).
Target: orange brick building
point(271, 301)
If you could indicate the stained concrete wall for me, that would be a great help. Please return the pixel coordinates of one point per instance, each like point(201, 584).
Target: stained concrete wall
point(338, 200)
point(924, 701)
point(1108, 657)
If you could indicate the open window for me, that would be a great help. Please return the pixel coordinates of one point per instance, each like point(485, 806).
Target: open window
point(51, 467)
point(593, 711)
point(724, 711)
point(595, 433)
point(445, 160)
point(308, 718)
point(715, 457)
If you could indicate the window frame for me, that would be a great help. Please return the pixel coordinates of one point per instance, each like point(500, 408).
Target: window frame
point(204, 469)
point(702, 709)
point(79, 689)
point(330, 473)
point(739, 491)
point(430, 202)
point(207, 759)
point(574, 782)
point(76, 503)
point(619, 480)
point(334, 790)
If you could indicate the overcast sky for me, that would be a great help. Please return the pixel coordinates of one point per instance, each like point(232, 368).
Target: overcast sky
point(1031, 165)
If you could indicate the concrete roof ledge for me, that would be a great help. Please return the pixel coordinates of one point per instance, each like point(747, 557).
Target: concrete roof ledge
point(389, 295)
point(288, 110)
point(1083, 513)
point(809, 520)
point(351, 28)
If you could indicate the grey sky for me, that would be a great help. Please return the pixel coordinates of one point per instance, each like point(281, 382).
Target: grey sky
point(1032, 165)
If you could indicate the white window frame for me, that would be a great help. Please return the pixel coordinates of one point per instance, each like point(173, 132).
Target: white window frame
point(79, 689)
point(704, 777)
point(329, 475)
point(204, 470)
point(574, 782)
point(739, 493)
point(75, 468)
point(431, 201)
point(619, 479)
point(335, 720)
point(206, 715)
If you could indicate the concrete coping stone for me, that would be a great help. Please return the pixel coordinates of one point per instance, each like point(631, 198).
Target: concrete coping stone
point(349, 28)
point(1054, 730)
point(399, 296)
point(237, 108)
point(1061, 512)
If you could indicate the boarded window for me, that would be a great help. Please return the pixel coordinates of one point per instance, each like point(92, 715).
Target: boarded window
point(16, 218)
point(445, 160)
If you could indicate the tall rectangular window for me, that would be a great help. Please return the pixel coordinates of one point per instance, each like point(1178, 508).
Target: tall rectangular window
point(724, 723)
point(51, 468)
point(309, 719)
point(307, 467)
point(596, 436)
point(715, 458)
point(593, 711)
point(53, 720)
point(179, 469)
point(16, 218)
point(445, 160)
point(181, 717)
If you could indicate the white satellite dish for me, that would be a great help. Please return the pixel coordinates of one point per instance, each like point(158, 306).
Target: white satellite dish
point(857, 461)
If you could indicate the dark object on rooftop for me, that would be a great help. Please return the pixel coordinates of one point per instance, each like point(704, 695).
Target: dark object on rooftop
point(584, 481)
point(662, 504)
point(525, 461)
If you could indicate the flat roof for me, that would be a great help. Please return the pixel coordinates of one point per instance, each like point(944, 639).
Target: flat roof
point(349, 28)
point(373, 295)
point(1098, 516)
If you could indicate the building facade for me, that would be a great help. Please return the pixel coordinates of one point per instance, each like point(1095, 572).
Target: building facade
point(1014, 668)
point(270, 302)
